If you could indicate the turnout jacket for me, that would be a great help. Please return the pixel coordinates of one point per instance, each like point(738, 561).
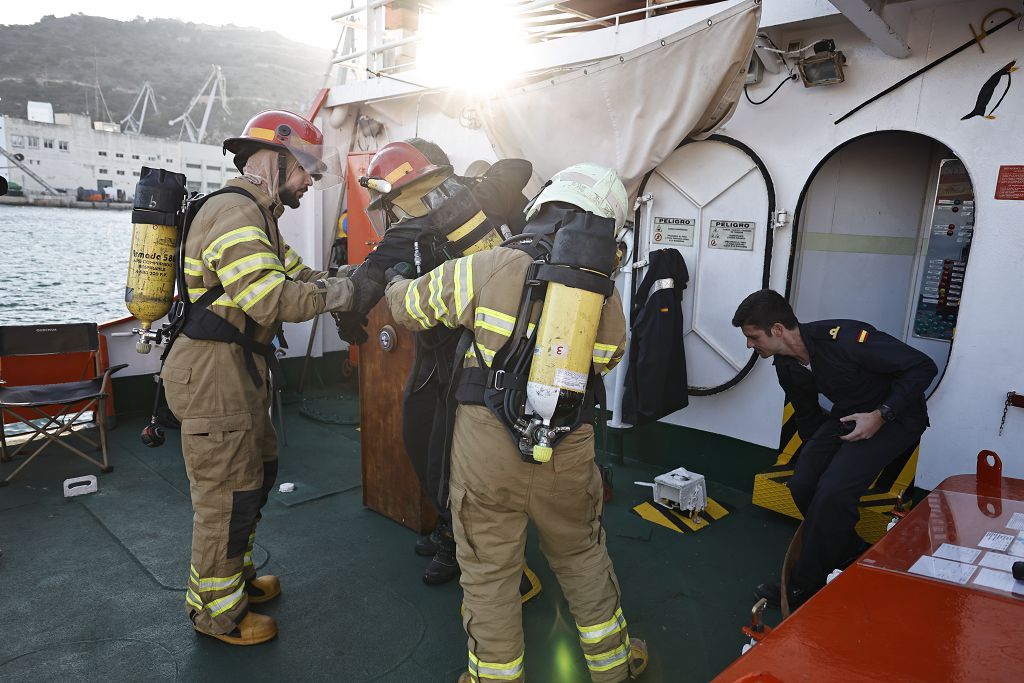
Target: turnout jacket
point(234, 241)
point(858, 368)
point(656, 383)
point(481, 292)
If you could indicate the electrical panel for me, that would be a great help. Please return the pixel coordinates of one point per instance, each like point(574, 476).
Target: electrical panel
point(945, 262)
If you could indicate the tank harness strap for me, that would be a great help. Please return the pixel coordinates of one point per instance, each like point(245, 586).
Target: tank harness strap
point(579, 279)
point(198, 322)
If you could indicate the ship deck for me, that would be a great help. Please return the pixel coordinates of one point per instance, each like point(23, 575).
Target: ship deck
point(91, 587)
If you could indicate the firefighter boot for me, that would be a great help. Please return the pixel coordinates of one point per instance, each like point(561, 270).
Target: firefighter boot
point(637, 657)
point(427, 546)
point(443, 567)
point(252, 630)
point(263, 589)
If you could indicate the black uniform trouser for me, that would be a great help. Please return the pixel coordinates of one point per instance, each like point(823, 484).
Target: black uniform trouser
point(831, 475)
point(428, 419)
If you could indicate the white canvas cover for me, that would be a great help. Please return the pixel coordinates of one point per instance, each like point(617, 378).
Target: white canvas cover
point(630, 111)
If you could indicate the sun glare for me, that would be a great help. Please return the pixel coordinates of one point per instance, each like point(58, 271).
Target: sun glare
point(471, 44)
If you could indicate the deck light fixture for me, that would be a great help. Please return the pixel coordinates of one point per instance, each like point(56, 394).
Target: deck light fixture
point(824, 67)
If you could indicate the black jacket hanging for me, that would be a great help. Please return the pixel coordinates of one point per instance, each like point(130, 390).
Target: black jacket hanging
point(656, 375)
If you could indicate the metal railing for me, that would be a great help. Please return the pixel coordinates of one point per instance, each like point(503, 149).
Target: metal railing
point(363, 49)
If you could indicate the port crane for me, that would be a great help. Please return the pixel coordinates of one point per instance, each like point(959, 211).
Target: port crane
point(131, 124)
point(215, 82)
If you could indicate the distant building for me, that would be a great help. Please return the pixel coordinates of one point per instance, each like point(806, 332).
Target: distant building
point(74, 152)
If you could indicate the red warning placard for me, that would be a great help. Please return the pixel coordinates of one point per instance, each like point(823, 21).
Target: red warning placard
point(1010, 184)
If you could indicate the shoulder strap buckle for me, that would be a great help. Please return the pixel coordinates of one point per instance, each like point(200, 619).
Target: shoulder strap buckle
point(499, 380)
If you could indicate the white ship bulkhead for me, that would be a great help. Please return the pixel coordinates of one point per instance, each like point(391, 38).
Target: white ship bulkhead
point(859, 200)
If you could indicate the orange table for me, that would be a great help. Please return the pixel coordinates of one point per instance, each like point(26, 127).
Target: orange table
point(878, 621)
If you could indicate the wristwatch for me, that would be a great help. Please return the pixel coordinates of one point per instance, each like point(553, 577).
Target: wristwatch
point(887, 413)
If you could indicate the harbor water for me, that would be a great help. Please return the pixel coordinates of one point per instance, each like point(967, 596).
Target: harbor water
point(60, 265)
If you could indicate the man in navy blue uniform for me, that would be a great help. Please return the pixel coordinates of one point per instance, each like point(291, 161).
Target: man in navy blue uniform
point(876, 384)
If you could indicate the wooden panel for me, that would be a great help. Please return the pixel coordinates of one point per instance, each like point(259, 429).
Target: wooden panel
point(390, 486)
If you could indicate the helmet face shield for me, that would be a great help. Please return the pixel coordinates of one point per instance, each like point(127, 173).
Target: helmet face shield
point(322, 163)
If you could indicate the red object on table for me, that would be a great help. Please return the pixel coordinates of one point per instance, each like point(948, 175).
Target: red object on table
point(877, 622)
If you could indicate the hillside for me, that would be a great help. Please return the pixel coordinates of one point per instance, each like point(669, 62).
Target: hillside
point(58, 60)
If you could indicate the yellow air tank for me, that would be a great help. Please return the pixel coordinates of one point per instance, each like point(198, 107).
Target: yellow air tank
point(149, 291)
point(583, 255)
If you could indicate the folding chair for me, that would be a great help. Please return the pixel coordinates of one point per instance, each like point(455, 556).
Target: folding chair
point(56, 407)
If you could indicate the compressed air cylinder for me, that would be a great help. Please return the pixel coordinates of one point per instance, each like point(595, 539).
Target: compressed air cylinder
point(149, 291)
point(568, 325)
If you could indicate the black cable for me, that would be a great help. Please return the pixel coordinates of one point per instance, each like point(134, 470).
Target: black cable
point(791, 77)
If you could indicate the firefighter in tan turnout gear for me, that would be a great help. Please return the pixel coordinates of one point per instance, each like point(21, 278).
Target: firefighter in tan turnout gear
point(510, 466)
point(242, 282)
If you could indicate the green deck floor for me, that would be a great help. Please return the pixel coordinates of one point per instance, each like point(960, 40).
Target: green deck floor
point(91, 588)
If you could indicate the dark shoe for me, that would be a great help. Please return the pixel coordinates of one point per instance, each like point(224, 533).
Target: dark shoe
point(529, 585)
point(263, 589)
point(426, 546)
point(443, 568)
point(252, 630)
point(772, 594)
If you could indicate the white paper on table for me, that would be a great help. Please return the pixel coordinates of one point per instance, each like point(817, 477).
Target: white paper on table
point(1016, 521)
point(996, 540)
point(947, 570)
point(999, 580)
point(1017, 548)
point(957, 553)
point(998, 561)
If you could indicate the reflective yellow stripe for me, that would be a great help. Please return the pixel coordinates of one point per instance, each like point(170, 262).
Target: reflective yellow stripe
point(412, 306)
point(463, 285)
point(435, 300)
point(250, 233)
point(464, 229)
point(193, 266)
point(291, 259)
point(609, 660)
point(222, 605)
point(224, 300)
point(264, 260)
point(248, 297)
point(193, 599)
point(207, 585)
point(487, 354)
point(499, 671)
point(598, 632)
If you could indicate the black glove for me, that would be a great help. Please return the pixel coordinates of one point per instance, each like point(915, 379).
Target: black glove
point(398, 245)
point(351, 326)
point(369, 287)
point(400, 271)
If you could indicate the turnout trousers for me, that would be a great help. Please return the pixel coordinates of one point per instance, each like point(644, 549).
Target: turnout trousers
point(831, 475)
point(428, 415)
point(230, 451)
point(493, 495)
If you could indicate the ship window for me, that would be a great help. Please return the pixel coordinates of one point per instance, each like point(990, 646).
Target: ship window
point(150, 158)
point(119, 155)
point(17, 141)
point(212, 187)
point(47, 143)
point(103, 171)
point(135, 156)
point(169, 160)
point(193, 165)
point(120, 172)
point(102, 153)
point(213, 168)
point(194, 186)
point(63, 145)
point(33, 141)
point(135, 173)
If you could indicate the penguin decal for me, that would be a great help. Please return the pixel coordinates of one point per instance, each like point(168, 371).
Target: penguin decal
point(987, 90)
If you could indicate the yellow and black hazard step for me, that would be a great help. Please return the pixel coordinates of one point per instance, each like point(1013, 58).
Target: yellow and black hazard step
point(681, 522)
point(772, 492)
